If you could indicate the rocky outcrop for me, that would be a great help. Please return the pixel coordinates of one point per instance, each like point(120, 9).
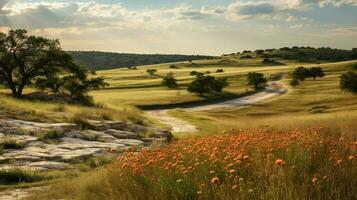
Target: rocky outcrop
point(72, 145)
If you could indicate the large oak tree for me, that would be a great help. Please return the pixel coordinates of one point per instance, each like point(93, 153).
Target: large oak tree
point(24, 57)
point(27, 59)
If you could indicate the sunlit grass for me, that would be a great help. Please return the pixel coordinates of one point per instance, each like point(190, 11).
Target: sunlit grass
point(301, 163)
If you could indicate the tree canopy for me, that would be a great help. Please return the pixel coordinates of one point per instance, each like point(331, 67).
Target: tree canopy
point(207, 85)
point(301, 73)
point(170, 81)
point(316, 72)
point(256, 79)
point(26, 59)
point(348, 82)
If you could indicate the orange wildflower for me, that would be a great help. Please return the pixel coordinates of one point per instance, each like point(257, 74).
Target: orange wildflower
point(339, 162)
point(314, 180)
point(280, 162)
point(234, 187)
point(124, 165)
point(215, 180)
point(351, 157)
point(232, 171)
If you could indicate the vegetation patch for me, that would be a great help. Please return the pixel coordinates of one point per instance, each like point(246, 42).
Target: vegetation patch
point(15, 176)
point(11, 144)
point(318, 109)
point(312, 163)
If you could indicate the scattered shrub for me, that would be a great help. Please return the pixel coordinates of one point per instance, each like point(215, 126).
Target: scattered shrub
point(219, 71)
point(173, 67)
point(13, 176)
point(11, 144)
point(256, 79)
point(348, 82)
point(169, 81)
point(207, 85)
point(151, 71)
point(294, 82)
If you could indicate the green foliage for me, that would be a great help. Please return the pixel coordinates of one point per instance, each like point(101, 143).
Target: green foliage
point(348, 82)
point(256, 79)
point(294, 82)
point(354, 53)
point(169, 81)
point(51, 136)
point(207, 85)
point(13, 176)
point(105, 60)
point(316, 72)
point(301, 73)
point(151, 71)
point(259, 51)
point(78, 85)
point(195, 73)
point(11, 144)
point(173, 67)
point(307, 54)
point(24, 57)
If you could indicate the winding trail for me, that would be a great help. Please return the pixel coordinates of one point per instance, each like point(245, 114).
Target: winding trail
point(274, 89)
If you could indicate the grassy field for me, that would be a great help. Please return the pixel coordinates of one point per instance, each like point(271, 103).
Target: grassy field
point(299, 144)
point(317, 101)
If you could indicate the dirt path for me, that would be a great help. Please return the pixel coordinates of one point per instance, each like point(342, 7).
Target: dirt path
point(274, 89)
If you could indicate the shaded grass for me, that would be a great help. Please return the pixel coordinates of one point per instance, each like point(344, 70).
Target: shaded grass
point(15, 176)
point(11, 144)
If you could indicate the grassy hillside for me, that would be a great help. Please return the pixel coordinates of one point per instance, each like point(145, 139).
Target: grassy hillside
point(104, 60)
point(298, 145)
point(321, 99)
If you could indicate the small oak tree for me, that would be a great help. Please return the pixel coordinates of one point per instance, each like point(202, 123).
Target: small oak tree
point(348, 82)
point(169, 81)
point(316, 72)
point(256, 79)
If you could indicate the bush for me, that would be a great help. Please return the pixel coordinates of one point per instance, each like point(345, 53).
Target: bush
point(50, 136)
point(207, 85)
point(195, 73)
point(301, 73)
point(219, 71)
point(256, 79)
point(316, 72)
point(12, 176)
point(11, 144)
point(169, 81)
point(294, 82)
point(173, 67)
point(348, 82)
point(151, 71)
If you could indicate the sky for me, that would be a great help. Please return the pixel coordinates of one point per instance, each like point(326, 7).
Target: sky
point(206, 27)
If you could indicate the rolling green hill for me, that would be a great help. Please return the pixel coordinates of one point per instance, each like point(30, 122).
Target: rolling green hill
point(103, 60)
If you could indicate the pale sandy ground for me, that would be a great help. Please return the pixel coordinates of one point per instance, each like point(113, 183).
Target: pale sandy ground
point(273, 89)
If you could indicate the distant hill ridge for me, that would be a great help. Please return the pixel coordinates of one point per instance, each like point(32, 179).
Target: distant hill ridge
point(105, 60)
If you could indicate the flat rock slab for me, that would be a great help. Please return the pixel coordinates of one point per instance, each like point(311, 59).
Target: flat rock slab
point(48, 165)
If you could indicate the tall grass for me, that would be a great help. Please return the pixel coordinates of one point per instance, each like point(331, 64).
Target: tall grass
point(311, 163)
